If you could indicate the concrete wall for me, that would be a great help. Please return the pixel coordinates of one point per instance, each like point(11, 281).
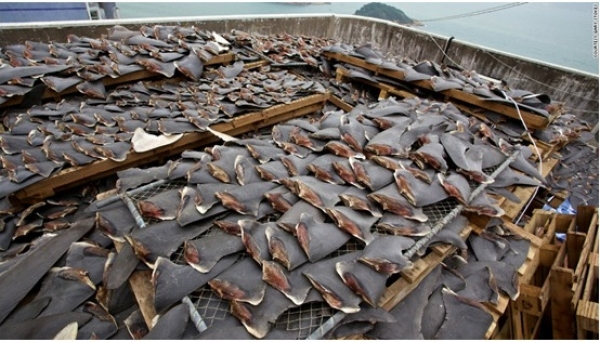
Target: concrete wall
point(577, 89)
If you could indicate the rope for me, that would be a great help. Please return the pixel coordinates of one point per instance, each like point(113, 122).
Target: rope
point(475, 13)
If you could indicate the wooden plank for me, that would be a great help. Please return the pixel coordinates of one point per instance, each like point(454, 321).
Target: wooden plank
point(587, 307)
point(74, 176)
point(533, 120)
point(410, 279)
point(561, 294)
point(336, 101)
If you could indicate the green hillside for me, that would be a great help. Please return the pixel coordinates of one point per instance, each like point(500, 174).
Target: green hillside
point(383, 11)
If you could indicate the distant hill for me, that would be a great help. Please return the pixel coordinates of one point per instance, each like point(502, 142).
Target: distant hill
point(383, 11)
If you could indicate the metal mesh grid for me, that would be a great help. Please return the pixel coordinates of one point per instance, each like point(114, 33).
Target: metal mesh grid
point(305, 318)
point(210, 307)
point(153, 191)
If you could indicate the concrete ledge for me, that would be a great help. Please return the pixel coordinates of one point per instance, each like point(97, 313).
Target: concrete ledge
point(577, 89)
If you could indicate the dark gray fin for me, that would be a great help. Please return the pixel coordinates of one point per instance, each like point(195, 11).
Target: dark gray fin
point(343, 168)
point(371, 174)
point(324, 279)
point(359, 323)
point(480, 287)
point(87, 256)
point(417, 192)
point(397, 225)
point(323, 169)
point(206, 195)
point(284, 248)
point(255, 239)
point(172, 282)
point(355, 223)
point(291, 217)
point(258, 319)
point(352, 133)
point(297, 166)
point(435, 312)
point(163, 238)
point(488, 247)
point(272, 171)
point(230, 222)
point(385, 255)
point(226, 329)
point(319, 194)
point(387, 142)
point(409, 312)
point(187, 212)
point(204, 253)
point(458, 311)
point(299, 137)
point(59, 84)
point(115, 221)
point(505, 275)
point(117, 151)
point(46, 327)
point(162, 206)
point(293, 285)
point(245, 199)
point(503, 192)
point(457, 186)
point(136, 326)
point(241, 282)
point(35, 265)
point(281, 199)
point(390, 121)
point(245, 170)
point(102, 325)
point(94, 89)
point(433, 155)
point(263, 154)
point(68, 287)
point(296, 150)
point(191, 66)
point(363, 280)
point(171, 325)
point(484, 205)
point(27, 311)
point(517, 251)
point(391, 201)
point(331, 133)
point(319, 239)
point(450, 234)
point(342, 149)
point(508, 177)
point(174, 126)
point(356, 199)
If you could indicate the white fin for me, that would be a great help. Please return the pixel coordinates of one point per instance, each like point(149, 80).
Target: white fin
point(143, 141)
point(69, 332)
point(222, 136)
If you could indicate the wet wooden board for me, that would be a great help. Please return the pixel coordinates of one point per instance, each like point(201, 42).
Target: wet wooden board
point(336, 101)
point(74, 176)
point(109, 81)
point(533, 120)
point(385, 89)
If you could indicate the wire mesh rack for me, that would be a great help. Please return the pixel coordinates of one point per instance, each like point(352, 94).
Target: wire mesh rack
point(150, 192)
point(209, 306)
point(305, 318)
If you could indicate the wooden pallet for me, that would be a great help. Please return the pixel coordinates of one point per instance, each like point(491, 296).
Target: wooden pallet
point(532, 120)
point(109, 81)
point(75, 176)
point(567, 277)
point(587, 306)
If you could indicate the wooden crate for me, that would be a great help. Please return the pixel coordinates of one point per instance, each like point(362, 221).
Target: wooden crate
point(540, 225)
point(587, 306)
point(567, 277)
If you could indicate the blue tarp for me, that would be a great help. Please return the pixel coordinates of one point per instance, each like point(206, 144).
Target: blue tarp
point(21, 12)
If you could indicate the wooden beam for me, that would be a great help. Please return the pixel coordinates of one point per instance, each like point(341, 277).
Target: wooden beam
point(532, 119)
point(109, 81)
point(74, 176)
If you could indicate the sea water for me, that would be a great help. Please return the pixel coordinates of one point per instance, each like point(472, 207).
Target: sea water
point(558, 33)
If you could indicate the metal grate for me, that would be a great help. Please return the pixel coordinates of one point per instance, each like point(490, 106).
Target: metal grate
point(305, 318)
point(210, 307)
point(153, 191)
